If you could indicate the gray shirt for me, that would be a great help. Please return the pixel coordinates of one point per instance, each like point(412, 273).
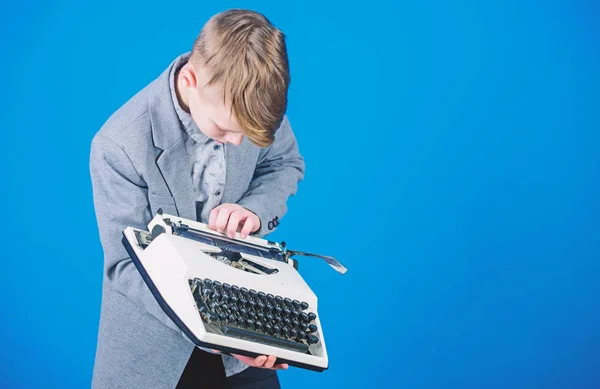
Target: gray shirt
point(207, 157)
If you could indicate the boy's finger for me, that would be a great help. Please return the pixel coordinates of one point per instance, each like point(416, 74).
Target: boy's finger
point(212, 218)
point(247, 229)
point(222, 219)
point(233, 223)
point(260, 360)
point(270, 362)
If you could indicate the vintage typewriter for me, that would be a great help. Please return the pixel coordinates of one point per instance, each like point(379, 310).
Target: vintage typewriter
point(242, 296)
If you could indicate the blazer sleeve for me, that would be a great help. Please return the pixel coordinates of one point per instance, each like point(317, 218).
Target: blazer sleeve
point(279, 169)
point(120, 201)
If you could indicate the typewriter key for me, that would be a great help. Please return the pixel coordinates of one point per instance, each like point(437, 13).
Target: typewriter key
point(311, 316)
point(312, 339)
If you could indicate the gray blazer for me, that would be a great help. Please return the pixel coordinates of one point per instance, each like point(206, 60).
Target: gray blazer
point(139, 164)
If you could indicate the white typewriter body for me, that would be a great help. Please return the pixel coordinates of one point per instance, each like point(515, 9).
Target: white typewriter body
point(168, 261)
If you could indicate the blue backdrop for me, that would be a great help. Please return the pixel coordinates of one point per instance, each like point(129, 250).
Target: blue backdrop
point(453, 166)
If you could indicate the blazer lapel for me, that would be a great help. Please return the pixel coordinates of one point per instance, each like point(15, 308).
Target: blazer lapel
point(167, 134)
point(175, 168)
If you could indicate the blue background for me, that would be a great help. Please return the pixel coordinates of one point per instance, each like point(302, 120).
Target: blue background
point(453, 166)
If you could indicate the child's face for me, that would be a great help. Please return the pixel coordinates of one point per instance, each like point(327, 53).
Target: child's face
point(212, 116)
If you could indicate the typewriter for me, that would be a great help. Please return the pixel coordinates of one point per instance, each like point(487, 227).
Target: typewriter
point(242, 296)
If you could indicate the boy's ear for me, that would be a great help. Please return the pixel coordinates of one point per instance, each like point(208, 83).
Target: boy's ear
point(189, 76)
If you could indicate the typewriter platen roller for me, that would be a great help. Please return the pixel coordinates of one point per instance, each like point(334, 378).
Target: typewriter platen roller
point(242, 296)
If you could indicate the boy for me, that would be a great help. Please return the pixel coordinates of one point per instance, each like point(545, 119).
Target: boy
point(207, 140)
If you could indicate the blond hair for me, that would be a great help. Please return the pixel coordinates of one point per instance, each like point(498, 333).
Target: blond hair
point(247, 56)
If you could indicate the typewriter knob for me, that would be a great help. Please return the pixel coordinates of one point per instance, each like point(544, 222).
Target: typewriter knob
point(312, 339)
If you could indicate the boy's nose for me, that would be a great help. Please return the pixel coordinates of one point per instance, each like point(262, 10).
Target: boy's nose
point(235, 139)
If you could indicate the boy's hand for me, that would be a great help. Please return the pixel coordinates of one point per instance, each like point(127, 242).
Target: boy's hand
point(262, 361)
point(232, 218)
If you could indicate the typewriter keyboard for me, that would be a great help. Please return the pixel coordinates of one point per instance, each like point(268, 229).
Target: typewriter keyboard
point(254, 315)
